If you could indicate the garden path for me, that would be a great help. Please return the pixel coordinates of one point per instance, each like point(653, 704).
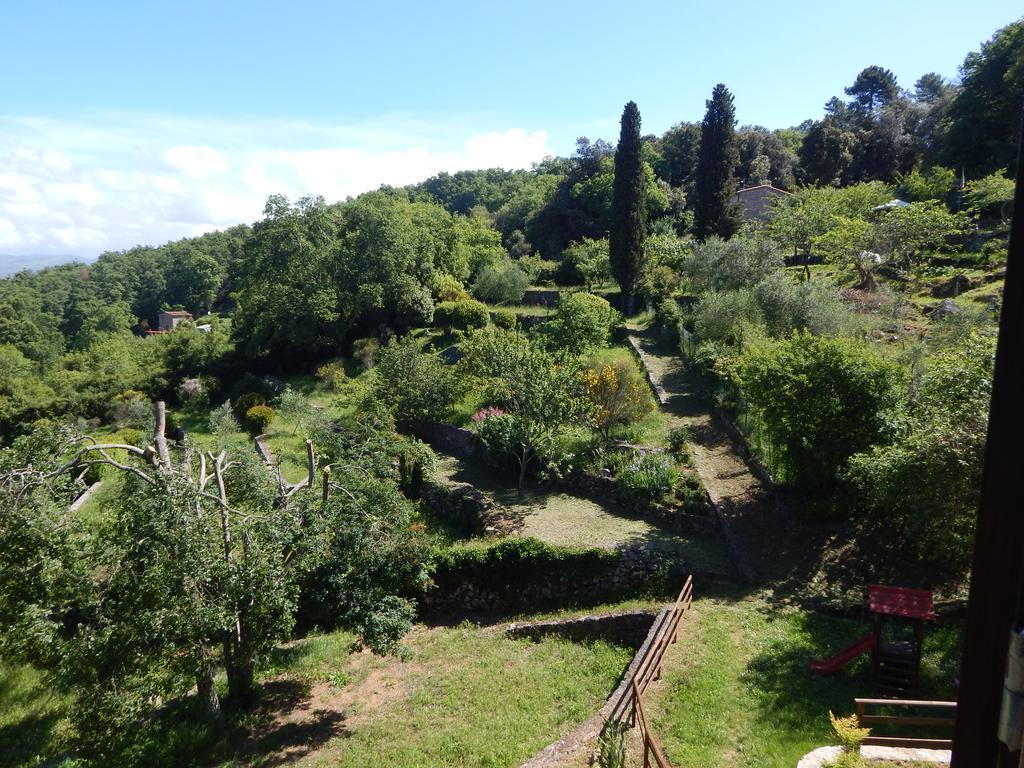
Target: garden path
point(754, 528)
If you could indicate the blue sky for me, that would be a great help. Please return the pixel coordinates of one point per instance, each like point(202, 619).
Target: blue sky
point(138, 122)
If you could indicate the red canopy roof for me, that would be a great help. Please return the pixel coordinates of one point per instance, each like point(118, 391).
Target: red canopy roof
point(901, 601)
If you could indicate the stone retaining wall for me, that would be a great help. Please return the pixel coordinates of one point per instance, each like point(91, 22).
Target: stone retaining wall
point(541, 297)
point(575, 577)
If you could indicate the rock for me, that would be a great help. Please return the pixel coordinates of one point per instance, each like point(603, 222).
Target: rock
point(945, 309)
point(956, 285)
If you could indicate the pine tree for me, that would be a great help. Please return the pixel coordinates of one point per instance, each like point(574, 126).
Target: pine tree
point(629, 207)
point(715, 212)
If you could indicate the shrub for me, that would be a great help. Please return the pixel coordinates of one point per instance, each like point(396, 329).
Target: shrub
point(332, 375)
point(134, 437)
point(365, 351)
point(503, 283)
point(461, 315)
point(850, 736)
point(448, 288)
point(679, 441)
point(619, 394)
point(246, 401)
point(259, 418)
point(822, 399)
point(416, 385)
point(726, 316)
point(538, 270)
point(581, 323)
point(131, 408)
point(222, 421)
point(520, 572)
point(504, 318)
point(648, 477)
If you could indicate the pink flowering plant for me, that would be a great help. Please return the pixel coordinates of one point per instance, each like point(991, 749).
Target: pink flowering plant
point(487, 413)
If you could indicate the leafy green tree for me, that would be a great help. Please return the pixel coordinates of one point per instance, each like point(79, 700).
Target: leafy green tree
point(680, 149)
point(906, 234)
point(590, 260)
point(983, 119)
point(582, 322)
point(849, 242)
point(826, 152)
point(722, 265)
point(198, 552)
point(502, 283)
point(539, 394)
point(415, 385)
point(873, 88)
point(990, 196)
point(766, 157)
point(822, 399)
point(919, 495)
point(629, 207)
point(478, 245)
point(937, 183)
point(715, 211)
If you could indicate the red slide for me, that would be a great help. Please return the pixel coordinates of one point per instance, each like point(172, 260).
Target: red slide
point(844, 657)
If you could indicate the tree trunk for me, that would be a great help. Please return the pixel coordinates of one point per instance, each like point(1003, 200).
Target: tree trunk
point(524, 460)
point(240, 681)
point(627, 303)
point(209, 701)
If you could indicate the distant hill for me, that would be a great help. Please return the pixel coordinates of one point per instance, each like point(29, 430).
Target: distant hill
point(9, 264)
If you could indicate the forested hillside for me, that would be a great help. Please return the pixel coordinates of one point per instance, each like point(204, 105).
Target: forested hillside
point(844, 335)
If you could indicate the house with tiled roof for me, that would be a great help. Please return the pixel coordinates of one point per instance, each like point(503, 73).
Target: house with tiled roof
point(168, 321)
point(756, 202)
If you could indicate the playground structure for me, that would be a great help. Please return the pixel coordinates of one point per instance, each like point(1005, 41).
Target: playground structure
point(896, 660)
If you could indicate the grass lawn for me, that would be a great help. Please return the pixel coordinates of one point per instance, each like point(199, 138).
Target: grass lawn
point(737, 691)
point(565, 520)
point(462, 696)
point(32, 721)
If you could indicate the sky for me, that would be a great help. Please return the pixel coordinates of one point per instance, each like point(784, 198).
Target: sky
point(125, 123)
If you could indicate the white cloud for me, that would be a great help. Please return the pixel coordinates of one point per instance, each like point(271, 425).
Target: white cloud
point(80, 188)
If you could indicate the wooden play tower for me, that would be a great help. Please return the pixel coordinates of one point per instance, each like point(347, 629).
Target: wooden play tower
point(896, 660)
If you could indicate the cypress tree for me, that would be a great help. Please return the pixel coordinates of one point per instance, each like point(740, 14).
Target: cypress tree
point(714, 210)
point(629, 208)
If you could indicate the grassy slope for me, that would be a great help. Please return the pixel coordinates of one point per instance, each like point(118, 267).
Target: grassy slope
point(464, 696)
point(32, 720)
point(737, 690)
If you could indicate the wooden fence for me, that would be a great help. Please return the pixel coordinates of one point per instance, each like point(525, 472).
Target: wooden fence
point(629, 706)
point(866, 720)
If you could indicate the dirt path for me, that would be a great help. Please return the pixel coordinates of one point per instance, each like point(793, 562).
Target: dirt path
point(758, 535)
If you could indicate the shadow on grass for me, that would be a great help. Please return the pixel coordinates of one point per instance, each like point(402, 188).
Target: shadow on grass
point(788, 693)
point(29, 737)
point(286, 727)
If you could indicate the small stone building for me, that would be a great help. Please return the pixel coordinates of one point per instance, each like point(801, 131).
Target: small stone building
point(756, 202)
point(168, 321)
